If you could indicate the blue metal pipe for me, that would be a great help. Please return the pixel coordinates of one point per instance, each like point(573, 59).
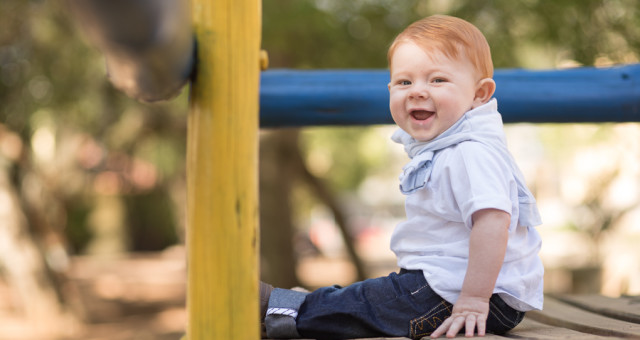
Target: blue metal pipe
point(360, 97)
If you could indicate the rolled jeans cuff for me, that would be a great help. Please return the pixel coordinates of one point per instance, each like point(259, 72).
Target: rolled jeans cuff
point(282, 312)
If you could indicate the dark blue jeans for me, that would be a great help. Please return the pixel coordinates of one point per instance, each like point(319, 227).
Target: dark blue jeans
point(398, 305)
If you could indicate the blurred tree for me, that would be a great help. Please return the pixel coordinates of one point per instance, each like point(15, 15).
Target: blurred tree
point(22, 264)
point(79, 140)
point(593, 182)
point(277, 177)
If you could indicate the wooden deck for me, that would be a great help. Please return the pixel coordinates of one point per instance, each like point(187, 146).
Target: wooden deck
point(577, 317)
point(583, 317)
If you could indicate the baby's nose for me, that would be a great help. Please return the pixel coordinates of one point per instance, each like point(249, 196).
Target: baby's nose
point(419, 92)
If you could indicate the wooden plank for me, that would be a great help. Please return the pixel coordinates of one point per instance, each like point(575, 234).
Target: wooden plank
point(560, 314)
point(459, 336)
point(222, 165)
point(530, 329)
point(626, 308)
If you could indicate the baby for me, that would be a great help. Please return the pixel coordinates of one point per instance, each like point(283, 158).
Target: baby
point(468, 250)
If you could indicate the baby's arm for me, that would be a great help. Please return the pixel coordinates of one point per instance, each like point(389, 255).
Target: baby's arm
point(487, 247)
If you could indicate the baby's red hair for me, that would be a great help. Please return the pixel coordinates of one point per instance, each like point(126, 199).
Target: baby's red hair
point(452, 36)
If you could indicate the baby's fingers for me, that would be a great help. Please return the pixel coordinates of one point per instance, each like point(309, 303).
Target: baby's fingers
point(452, 325)
point(473, 321)
point(442, 329)
point(470, 325)
point(482, 324)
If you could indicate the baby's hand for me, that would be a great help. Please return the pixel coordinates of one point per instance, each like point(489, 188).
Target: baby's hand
point(469, 312)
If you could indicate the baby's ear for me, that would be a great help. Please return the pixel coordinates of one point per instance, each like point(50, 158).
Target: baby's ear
point(484, 90)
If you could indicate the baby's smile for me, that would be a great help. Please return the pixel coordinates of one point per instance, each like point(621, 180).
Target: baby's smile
point(421, 114)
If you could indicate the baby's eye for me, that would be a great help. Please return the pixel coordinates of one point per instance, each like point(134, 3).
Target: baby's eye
point(439, 80)
point(404, 82)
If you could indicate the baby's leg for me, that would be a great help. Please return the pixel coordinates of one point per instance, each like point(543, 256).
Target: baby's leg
point(265, 294)
point(385, 306)
point(502, 318)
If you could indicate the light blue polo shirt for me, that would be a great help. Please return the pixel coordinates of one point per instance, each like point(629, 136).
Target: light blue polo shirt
point(465, 169)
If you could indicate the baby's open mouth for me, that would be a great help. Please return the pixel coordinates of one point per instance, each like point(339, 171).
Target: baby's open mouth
point(421, 114)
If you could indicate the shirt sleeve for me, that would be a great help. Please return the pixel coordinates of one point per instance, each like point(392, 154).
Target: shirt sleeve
point(480, 179)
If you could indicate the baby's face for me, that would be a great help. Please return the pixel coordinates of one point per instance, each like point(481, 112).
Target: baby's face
point(429, 92)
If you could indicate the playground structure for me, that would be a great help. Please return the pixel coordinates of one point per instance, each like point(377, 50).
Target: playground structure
point(230, 100)
point(149, 51)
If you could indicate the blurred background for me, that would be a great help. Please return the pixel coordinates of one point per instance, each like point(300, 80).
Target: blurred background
point(92, 183)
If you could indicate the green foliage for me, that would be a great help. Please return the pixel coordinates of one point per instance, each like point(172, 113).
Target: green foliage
point(52, 80)
point(301, 34)
point(152, 214)
point(531, 33)
point(78, 235)
point(345, 156)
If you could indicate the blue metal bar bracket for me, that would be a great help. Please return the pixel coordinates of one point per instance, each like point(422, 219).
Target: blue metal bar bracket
point(360, 97)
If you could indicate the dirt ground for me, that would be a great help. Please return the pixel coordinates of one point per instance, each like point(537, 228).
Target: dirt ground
point(127, 297)
point(135, 297)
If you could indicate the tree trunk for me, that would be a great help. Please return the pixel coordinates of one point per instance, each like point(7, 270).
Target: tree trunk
point(23, 265)
point(281, 163)
point(326, 196)
point(278, 260)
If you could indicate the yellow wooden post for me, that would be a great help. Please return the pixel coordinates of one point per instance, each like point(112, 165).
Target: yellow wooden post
point(222, 233)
